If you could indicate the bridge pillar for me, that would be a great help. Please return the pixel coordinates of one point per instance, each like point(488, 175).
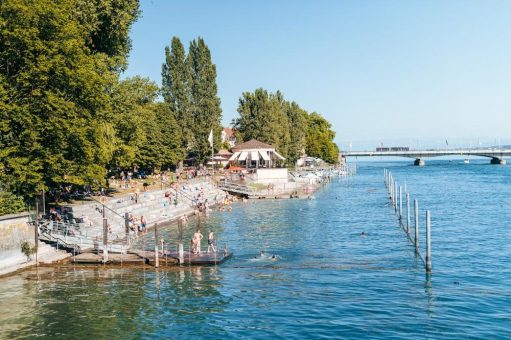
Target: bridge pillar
point(419, 162)
point(496, 160)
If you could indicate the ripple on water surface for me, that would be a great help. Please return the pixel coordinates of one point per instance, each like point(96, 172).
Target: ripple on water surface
point(328, 279)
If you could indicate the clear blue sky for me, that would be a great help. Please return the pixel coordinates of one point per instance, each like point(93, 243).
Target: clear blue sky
point(396, 72)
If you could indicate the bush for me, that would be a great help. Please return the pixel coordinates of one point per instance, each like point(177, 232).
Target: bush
point(10, 204)
point(27, 249)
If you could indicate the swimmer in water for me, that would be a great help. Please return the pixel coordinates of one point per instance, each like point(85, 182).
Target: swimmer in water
point(363, 234)
point(274, 258)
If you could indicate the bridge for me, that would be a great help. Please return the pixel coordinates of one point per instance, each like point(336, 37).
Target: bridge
point(496, 154)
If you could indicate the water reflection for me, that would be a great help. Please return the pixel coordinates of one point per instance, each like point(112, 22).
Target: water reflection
point(428, 288)
point(85, 302)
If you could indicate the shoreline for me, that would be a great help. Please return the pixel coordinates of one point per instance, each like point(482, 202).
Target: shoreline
point(60, 257)
point(46, 258)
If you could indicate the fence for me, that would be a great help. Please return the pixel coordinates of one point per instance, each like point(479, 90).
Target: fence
point(395, 192)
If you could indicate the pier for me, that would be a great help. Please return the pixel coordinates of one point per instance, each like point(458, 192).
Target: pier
point(145, 257)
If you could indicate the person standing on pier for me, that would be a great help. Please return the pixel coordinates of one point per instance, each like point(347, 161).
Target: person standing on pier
point(211, 241)
point(197, 237)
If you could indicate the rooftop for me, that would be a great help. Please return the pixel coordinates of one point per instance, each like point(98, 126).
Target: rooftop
point(251, 145)
point(228, 131)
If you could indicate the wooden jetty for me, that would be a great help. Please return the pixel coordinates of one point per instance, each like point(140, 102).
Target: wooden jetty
point(203, 258)
point(93, 258)
point(140, 257)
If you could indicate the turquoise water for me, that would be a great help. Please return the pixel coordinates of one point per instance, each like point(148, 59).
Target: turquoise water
point(328, 281)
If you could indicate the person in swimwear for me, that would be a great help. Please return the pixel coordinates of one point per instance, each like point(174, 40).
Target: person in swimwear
point(211, 241)
point(197, 237)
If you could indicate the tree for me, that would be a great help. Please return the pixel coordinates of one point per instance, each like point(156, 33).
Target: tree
point(207, 113)
point(176, 89)
point(271, 119)
point(58, 62)
point(298, 120)
point(263, 117)
point(320, 139)
point(133, 100)
point(163, 149)
point(10, 204)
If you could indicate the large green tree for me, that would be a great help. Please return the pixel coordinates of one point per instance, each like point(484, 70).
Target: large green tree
point(59, 61)
point(207, 112)
point(176, 89)
point(133, 100)
point(298, 124)
point(271, 119)
point(320, 138)
point(163, 149)
point(263, 116)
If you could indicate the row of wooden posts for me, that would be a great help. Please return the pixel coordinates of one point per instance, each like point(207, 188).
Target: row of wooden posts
point(396, 197)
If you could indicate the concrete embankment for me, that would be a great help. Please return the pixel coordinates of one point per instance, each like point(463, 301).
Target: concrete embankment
point(14, 230)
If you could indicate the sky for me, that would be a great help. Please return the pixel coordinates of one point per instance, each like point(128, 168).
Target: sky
point(407, 73)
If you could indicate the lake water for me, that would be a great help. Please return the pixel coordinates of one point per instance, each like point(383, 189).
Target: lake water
point(328, 281)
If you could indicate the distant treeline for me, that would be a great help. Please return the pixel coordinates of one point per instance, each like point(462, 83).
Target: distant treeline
point(67, 118)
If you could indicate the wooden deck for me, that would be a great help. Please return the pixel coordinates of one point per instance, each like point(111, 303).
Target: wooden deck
point(140, 257)
point(202, 258)
point(93, 258)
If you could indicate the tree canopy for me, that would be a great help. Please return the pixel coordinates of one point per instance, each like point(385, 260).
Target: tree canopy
point(268, 117)
point(319, 139)
point(59, 61)
point(67, 118)
point(190, 90)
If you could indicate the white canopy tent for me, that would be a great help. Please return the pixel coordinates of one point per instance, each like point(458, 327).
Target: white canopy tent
point(255, 154)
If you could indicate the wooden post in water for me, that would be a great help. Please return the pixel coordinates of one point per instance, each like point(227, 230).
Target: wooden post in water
point(156, 259)
point(408, 214)
point(392, 190)
point(416, 209)
point(428, 241)
point(400, 203)
point(394, 193)
point(105, 239)
point(395, 196)
point(127, 227)
point(392, 184)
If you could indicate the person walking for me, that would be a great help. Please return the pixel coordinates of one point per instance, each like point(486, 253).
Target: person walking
point(211, 242)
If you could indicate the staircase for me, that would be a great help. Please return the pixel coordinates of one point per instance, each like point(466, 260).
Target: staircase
point(86, 228)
